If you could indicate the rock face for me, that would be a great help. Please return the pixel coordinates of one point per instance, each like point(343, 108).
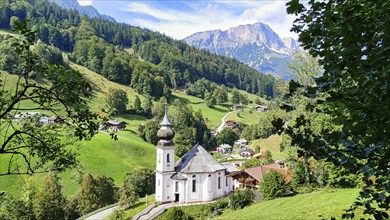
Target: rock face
point(256, 45)
point(84, 10)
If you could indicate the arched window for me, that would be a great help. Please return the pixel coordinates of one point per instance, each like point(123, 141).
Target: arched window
point(193, 183)
point(168, 159)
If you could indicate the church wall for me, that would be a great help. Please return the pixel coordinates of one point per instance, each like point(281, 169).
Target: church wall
point(164, 187)
point(162, 163)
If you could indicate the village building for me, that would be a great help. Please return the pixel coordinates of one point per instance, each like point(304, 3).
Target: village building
point(231, 123)
point(224, 149)
point(246, 153)
point(241, 142)
point(251, 177)
point(196, 177)
point(260, 108)
point(237, 107)
point(115, 125)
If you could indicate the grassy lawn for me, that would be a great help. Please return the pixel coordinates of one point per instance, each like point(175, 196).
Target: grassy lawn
point(272, 143)
point(317, 205)
point(246, 116)
point(138, 207)
point(212, 115)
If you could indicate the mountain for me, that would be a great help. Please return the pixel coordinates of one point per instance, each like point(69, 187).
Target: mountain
point(254, 44)
point(83, 10)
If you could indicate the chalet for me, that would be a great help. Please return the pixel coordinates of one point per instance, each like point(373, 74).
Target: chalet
point(116, 125)
point(251, 177)
point(246, 153)
point(231, 123)
point(224, 149)
point(241, 142)
point(260, 108)
point(237, 107)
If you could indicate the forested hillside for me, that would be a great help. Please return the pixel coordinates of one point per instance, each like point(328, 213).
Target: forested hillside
point(153, 63)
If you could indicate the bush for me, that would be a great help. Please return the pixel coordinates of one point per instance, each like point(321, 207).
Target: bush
point(272, 185)
point(176, 213)
point(241, 199)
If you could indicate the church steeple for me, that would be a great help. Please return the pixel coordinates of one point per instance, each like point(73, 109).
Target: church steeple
point(166, 133)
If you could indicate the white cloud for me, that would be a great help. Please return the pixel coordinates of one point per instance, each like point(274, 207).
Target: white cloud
point(210, 15)
point(84, 2)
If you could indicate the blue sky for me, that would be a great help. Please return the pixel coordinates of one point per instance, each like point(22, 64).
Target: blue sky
point(180, 19)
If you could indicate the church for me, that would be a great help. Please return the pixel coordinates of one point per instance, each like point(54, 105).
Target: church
point(196, 177)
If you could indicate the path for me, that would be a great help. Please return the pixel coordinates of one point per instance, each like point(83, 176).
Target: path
point(223, 124)
point(102, 214)
point(158, 210)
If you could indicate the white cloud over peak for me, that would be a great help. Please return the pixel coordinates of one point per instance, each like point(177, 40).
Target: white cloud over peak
point(180, 19)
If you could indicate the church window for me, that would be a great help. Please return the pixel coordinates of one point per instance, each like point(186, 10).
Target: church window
point(176, 186)
point(168, 160)
point(226, 181)
point(219, 182)
point(158, 182)
point(193, 183)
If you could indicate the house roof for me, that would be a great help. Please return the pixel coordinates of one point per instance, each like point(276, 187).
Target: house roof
point(198, 160)
point(116, 122)
point(247, 150)
point(258, 172)
point(230, 168)
point(225, 146)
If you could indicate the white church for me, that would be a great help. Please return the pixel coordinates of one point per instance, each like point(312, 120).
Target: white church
point(196, 177)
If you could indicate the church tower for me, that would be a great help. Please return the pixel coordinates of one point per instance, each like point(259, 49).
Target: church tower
point(165, 161)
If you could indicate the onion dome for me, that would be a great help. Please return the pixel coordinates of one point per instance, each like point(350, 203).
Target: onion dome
point(165, 132)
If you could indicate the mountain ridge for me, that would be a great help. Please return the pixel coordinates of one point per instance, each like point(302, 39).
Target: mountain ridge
point(254, 44)
point(90, 11)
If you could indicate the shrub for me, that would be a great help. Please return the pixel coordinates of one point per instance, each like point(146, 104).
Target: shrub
point(176, 213)
point(241, 199)
point(272, 185)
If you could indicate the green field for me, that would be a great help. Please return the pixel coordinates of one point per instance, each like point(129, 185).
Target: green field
point(272, 143)
point(323, 204)
point(317, 205)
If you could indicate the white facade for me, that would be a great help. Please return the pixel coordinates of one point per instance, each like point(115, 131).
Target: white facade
point(196, 177)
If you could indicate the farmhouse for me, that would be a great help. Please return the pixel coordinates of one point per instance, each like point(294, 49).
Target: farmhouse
point(116, 125)
point(231, 123)
point(224, 149)
point(251, 177)
point(246, 153)
point(237, 107)
point(260, 108)
point(241, 143)
point(196, 177)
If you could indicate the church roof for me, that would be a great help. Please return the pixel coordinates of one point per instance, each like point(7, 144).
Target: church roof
point(198, 160)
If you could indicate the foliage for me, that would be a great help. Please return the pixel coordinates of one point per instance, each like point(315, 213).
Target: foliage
point(240, 199)
point(355, 79)
point(49, 202)
point(11, 208)
point(95, 192)
point(252, 162)
point(30, 148)
point(137, 105)
point(141, 180)
point(266, 157)
point(272, 185)
point(227, 136)
point(176, 213)
point(117, 101)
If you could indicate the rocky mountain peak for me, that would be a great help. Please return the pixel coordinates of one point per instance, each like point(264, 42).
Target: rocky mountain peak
point(254, 44)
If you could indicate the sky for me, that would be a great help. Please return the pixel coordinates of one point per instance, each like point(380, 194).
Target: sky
point(180, 19)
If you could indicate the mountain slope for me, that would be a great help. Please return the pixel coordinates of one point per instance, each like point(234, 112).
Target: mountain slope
point(84, 10)
point(256, 45)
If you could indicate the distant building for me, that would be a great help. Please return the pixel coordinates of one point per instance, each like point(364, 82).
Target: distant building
point(241, 142)
point(196, 177)
point(116, 125)
point(224, 149)
point(251, 177)
point(246, 153)
point(237, 107)
point(260, 108)
point(231, 123)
